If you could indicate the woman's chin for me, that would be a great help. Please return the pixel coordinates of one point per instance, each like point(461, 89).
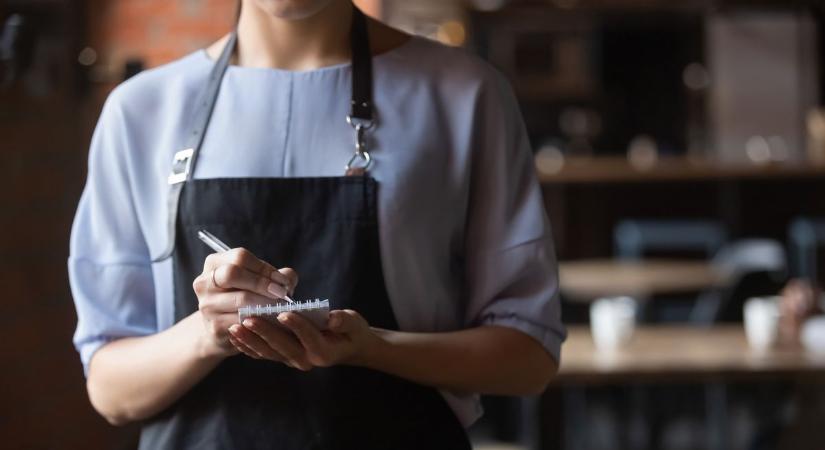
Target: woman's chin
point(293, 9)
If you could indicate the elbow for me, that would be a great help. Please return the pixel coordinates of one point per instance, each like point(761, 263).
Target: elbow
point(115, 420)
point(532, 368)
point(117, 416)
point(543, 373)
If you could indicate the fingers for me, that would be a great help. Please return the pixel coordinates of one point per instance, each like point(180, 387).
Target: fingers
point(290, 278)
point(239, 257)
point(254, 345)
point(229, 302)
point(267, 335)
point(231, 276)
point(309, 336)
point(299, 343)
point(243, 348)
point(241, 269)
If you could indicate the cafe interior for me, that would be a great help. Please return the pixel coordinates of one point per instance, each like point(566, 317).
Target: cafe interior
point(680, 147)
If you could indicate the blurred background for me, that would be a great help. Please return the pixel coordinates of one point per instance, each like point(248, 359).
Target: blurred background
point(681, 150)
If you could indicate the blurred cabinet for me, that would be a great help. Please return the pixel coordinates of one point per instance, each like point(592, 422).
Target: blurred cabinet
point(592, 78)
point(764, 71)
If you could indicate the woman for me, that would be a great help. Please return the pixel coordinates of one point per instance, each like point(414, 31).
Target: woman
point(249, 140)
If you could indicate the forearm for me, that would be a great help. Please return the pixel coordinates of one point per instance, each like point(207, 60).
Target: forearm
point(489, 360)
point(135, 378)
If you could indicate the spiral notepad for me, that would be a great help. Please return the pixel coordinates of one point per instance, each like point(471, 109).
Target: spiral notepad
point(316, 311)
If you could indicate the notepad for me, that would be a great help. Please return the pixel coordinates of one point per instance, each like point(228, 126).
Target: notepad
point(316, 311)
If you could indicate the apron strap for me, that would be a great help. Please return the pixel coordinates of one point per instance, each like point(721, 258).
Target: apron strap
point(183, 165)
point(361, 107)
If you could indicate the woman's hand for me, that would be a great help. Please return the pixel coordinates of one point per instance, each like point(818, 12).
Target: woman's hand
point(303, 346)
point(230, 280)
point(485, 359)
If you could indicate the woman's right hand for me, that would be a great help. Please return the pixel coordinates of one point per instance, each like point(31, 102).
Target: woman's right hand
point(230, 280)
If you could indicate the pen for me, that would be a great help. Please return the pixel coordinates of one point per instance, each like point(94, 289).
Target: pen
point(216, 244)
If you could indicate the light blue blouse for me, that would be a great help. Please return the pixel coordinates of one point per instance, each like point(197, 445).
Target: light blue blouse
point(464, 237)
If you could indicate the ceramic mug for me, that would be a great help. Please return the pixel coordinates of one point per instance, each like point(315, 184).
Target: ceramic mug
point(761, 316)
point(612, 321)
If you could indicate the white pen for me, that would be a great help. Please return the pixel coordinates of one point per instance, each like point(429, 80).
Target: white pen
point(216, 244)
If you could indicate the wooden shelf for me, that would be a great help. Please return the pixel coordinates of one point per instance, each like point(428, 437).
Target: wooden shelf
point(618, 170)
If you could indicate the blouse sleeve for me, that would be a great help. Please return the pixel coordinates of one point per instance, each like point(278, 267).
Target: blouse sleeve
point(109, 264)
point(510, 258)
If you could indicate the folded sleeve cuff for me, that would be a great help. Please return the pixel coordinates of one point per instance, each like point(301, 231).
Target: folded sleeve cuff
point(550, 338)
point(88, 349)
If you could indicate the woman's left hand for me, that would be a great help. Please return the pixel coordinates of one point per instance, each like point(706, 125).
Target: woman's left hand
point(346, 341)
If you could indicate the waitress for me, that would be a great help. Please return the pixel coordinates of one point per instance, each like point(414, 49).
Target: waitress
point(342, 159)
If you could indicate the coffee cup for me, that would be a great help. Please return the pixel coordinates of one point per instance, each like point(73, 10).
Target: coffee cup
point(761, 316)
point(612, 321)
point(813, 335)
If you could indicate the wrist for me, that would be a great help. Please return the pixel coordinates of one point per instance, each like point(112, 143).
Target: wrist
point(205, 348)
point(374, 349)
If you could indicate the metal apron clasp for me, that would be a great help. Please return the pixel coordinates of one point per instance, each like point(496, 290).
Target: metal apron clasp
point(361, 160)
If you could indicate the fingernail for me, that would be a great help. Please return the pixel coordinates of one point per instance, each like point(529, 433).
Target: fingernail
point(283, 317)
point(248, 323)
point(276, 289)
point(335, 322)
point(234, 329)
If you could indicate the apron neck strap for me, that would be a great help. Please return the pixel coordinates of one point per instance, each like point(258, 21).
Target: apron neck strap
point(206, 102)
point(183, 163)
point(361, 107)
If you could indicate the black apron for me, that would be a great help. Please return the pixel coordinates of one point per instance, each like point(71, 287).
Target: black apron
point(327, 229)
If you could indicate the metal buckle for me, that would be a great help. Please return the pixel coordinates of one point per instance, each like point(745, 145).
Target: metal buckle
point(363, 123)
point(181, 163)
point(356, 168)
point(361, 153)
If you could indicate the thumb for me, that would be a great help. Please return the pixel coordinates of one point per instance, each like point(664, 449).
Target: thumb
point(345, 321)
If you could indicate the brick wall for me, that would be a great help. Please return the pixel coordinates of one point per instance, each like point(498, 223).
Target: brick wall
point(158, 31)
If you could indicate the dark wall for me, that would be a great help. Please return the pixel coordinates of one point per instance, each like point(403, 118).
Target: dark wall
point(45, 124)
point(583, 215)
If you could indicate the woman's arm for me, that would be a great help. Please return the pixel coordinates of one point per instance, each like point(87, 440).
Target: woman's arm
point(488, 359)
point(134, 378)
point(485, 359)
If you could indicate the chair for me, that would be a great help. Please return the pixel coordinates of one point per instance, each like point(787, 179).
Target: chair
point(634, 238)
point(751, 255)
point(757, 267)
point(805, 236)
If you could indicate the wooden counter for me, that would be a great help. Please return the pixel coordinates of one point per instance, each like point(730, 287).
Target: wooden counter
point(588, 279)
point(677, 353)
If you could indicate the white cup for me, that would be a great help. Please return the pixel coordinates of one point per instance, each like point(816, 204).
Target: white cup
point(762, 322)
point(812, 335)
point(612, 321)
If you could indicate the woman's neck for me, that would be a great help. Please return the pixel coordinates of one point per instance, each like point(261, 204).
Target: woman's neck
point(266, 40)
